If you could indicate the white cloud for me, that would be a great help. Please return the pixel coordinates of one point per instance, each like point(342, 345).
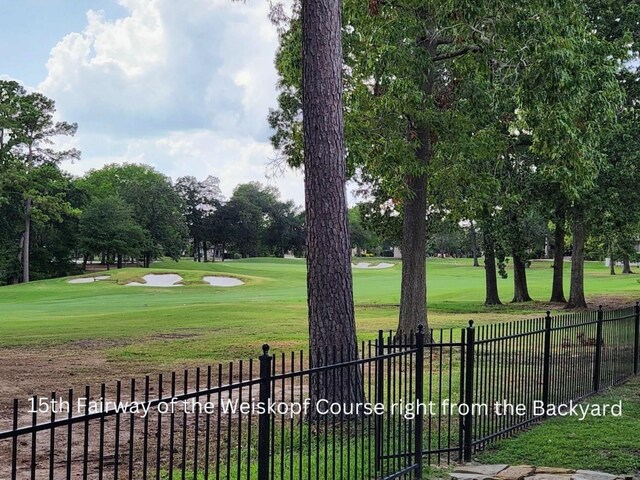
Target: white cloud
point(184, 86)
point(195, 152)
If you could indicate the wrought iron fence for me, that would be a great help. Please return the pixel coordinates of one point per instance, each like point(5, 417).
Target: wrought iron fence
point(379, 413)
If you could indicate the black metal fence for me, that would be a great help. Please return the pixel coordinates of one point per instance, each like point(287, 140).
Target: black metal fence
point(382, 413)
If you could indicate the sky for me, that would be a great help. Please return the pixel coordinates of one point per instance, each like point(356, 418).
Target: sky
point(184, 86)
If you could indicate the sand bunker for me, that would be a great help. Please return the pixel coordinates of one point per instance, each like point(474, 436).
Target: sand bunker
point(161, 280)
point(89, 279)
point(368, 265)
point(223, 281)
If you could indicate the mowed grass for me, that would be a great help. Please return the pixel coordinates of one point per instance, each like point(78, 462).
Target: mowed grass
point(198, 322)
point(607, 443)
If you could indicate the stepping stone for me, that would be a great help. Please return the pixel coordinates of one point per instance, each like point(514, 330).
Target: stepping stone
point(591, 475)
point(554, 471)
point(469, 476)
point(518, 472)
point(489, 470)
point(549, 476)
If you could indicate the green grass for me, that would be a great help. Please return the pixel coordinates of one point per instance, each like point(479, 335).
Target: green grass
point(610, 444)
point(197, 322)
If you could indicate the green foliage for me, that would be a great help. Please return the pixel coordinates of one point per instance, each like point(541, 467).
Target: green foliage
point(33, 190)
point(254, 222)
point(361, 237)
point(107, 226)
point(155, 205)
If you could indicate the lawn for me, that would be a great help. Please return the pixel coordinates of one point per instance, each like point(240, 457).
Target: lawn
point(200, 323)
point(55, 335)
point(610, 444)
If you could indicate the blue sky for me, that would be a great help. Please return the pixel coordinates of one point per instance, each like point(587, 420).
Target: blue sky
point(182, 85)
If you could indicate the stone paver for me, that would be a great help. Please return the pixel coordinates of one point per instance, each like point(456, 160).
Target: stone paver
point(549, 476)
point(469, 476)
point(516, 472)
point(490, 470)
point(527, 472)
point(554, 471)
point(591, 475)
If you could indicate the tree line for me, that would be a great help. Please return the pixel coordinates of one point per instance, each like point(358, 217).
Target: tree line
point(52, 224)
point(508, 117)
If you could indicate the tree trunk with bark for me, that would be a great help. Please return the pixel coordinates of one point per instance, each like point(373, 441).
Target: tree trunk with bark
point(557, 288)
point(612, 261)
point(26, 246)
point(119, 256)
point(474, 244)
point(520, 289)
point(329, 280)
point(626, 264)
point(413, 291)
point(491, 275)
point(579, 230)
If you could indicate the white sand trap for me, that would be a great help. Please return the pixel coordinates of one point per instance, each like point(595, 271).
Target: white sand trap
point(369, 266)
point(90, 279)
point(223, 281)
point(160, 280)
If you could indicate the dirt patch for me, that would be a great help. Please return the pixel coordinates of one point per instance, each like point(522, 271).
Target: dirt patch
point(607, 302)
point(611, 302)
point(25, 372)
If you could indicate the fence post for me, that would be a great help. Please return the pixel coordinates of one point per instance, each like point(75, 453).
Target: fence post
point(598, 357)
point(468, 391)
point(264, 420)
point(636, 343)
point(419, 399)
point(546, 375)
point(379, 398)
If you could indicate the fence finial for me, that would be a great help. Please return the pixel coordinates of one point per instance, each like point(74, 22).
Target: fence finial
point(548, 313)
point(470, 323)
point(420, 328)
point(600, 307)
point(265, 349)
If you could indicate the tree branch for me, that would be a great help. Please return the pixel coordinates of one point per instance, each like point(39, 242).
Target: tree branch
point(458, 53)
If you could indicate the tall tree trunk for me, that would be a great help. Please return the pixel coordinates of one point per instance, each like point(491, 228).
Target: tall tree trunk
point(557, 289)
point(491, 275)
point(474, 244)
point(85, 259)
point(329, 279)
point(520, 289)
point(612, 260)
point(626, 263)
point(579, 230)
point(204, 250)
point(119, 261)
point(413, 292)
point(26, 246)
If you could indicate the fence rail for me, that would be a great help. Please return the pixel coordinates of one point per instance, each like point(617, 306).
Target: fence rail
point(289, 418)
